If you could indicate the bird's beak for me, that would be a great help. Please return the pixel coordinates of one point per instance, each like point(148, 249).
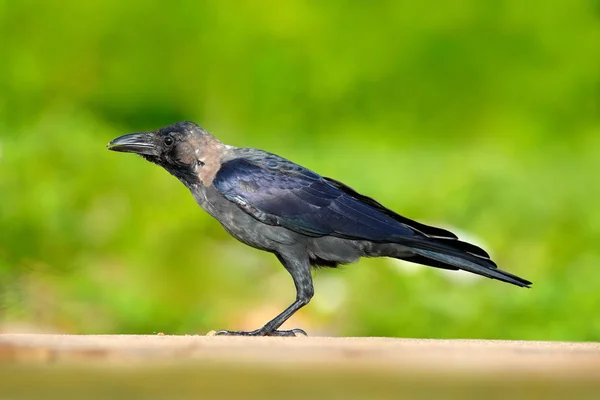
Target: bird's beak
point(139, 143)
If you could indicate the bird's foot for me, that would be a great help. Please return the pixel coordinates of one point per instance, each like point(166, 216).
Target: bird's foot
point(261, 332)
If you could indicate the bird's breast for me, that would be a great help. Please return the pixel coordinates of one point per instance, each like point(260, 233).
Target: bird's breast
point(241, 225)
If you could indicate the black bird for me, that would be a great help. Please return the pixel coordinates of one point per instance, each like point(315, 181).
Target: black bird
point(273, 204)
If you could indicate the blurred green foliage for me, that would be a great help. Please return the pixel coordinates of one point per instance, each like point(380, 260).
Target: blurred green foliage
point(479, 116)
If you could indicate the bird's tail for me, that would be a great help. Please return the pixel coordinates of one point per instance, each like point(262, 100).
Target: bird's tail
point(455, 254)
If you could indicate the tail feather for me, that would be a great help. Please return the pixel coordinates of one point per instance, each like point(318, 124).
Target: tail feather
point(438, 254)
point(463, 246)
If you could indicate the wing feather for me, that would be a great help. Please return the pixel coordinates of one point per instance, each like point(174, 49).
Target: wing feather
point(297, 198)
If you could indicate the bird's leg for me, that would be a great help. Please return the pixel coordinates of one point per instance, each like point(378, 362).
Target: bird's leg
point(300, 271)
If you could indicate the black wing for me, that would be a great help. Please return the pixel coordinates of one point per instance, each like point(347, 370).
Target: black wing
point(279, 192)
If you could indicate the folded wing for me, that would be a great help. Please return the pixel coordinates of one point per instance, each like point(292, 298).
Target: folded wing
point(279, 192)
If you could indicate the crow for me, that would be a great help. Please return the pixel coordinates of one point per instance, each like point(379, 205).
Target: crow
point(305, 219)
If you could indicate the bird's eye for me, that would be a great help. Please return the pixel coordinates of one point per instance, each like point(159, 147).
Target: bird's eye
point(168, 140)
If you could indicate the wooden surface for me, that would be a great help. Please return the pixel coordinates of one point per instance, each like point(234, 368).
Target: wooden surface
point(43, 365)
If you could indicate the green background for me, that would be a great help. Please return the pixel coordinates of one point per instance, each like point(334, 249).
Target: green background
point(478, 116)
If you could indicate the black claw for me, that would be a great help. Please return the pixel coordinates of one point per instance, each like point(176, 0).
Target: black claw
point(259, 332)
point(299, 332)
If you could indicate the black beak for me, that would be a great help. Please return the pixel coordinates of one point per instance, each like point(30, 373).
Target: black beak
point(139, 143)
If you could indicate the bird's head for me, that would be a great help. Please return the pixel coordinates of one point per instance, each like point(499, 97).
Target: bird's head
point(184, 149)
